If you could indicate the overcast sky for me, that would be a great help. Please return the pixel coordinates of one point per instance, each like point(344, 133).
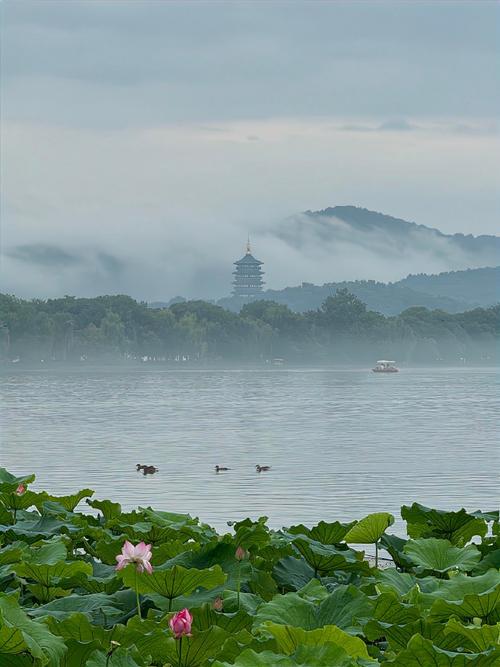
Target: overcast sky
point(141, 141)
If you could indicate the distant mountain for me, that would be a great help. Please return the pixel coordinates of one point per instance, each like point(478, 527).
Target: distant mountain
point(341, 228)
point(460, 290)
point(476, 286)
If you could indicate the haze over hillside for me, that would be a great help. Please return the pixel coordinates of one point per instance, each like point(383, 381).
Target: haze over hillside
point(382, 246)
point(344, 243)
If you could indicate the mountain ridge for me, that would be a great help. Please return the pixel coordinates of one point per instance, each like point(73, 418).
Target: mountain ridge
point(346, 230)
point(391, 298)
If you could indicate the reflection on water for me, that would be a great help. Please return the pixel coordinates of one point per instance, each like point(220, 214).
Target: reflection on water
point(341, 443)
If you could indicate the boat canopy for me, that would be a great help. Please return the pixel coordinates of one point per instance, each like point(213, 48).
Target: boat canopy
point(384, 361)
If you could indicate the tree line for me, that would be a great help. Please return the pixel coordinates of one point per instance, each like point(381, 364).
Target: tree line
point(342, 330)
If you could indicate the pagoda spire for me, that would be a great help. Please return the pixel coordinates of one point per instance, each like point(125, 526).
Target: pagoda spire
point(249, 249)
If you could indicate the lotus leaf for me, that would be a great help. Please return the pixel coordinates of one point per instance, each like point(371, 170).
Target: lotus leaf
point(440, 556)
point(289, 638)
point(421, 651)
point(370, 529)
point(457, 527)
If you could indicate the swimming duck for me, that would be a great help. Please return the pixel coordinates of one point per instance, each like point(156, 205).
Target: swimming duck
point(149, 470)
point(139, 466)
point(262, 468)
point(221, 468)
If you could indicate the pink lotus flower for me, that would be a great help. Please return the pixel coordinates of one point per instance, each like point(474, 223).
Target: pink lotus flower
point(240, 553)
point(180, 624)
point(21, 489)
point(140, 555)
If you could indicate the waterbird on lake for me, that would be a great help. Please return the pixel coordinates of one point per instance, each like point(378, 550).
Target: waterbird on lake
point(149, 470)
point(139, 466)
point(221, 468)
point(259, 468)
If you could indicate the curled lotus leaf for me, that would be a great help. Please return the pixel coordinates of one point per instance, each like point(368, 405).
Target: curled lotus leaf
point(369, 529)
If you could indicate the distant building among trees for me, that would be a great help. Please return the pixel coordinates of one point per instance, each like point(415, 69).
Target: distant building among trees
point(247, 280)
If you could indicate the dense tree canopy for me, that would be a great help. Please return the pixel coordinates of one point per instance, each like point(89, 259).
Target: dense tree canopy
point(343, 330)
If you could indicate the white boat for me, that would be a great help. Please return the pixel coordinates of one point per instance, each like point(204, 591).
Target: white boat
point(384, 366)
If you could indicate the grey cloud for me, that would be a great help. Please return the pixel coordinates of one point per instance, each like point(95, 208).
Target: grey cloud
point(109, 263)
point(43, 255)
point(398, 125)
point(135, 63)
point(390, 125)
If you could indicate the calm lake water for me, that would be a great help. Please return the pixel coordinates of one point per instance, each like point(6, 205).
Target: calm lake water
point(341, 443)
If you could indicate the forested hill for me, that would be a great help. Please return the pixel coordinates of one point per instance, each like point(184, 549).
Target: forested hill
point(453, 292)
point(479, 287)
point(342, 330)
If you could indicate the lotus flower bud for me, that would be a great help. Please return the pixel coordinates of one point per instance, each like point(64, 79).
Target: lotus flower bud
point(180, 624)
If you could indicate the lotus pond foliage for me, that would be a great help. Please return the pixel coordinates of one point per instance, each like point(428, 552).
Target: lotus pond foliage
point(84, 583)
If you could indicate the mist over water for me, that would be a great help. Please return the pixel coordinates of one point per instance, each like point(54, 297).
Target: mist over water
point(341, 443)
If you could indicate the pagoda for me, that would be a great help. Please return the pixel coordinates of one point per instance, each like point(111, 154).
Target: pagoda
point(248, 275)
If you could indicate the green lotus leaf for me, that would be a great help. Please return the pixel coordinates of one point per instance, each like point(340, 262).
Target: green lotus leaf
point(440, 555)
point(37, 527)
point(289, 638)
point(11, 554)
point(250, 658)
point(421, 652)
point(327, 655)
point(184, 525)
point(47, 552)
point(393, 580)
point(122, 657)
point(77, 626)
point(174, 582)
point(41, 643)
point(326, 558)
point(461, 585)
point(251, 535)
point(325, 533)
point(45, 594)
point(107, 548)
point(100, 608)
point(198, 649)
point(395, 545)
point(389, 609)
point(289, 609)
point(491, 560)
point(78, 653)
point(248, 602)
point(71, 501)
point(11, 640)
point(15, 660)
point(479, 638)
point(108, 509)
point(457, 527)
point(148, 636)
point(211, 554)
point(9, 482)
point(314, 591)
point(23, 501)
point(50, 575)
point(370, 529)
point(292, 573)
point(485, 606)
point(106, 584)
point(169, 550)
point(205, 617)
point(347, 608)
